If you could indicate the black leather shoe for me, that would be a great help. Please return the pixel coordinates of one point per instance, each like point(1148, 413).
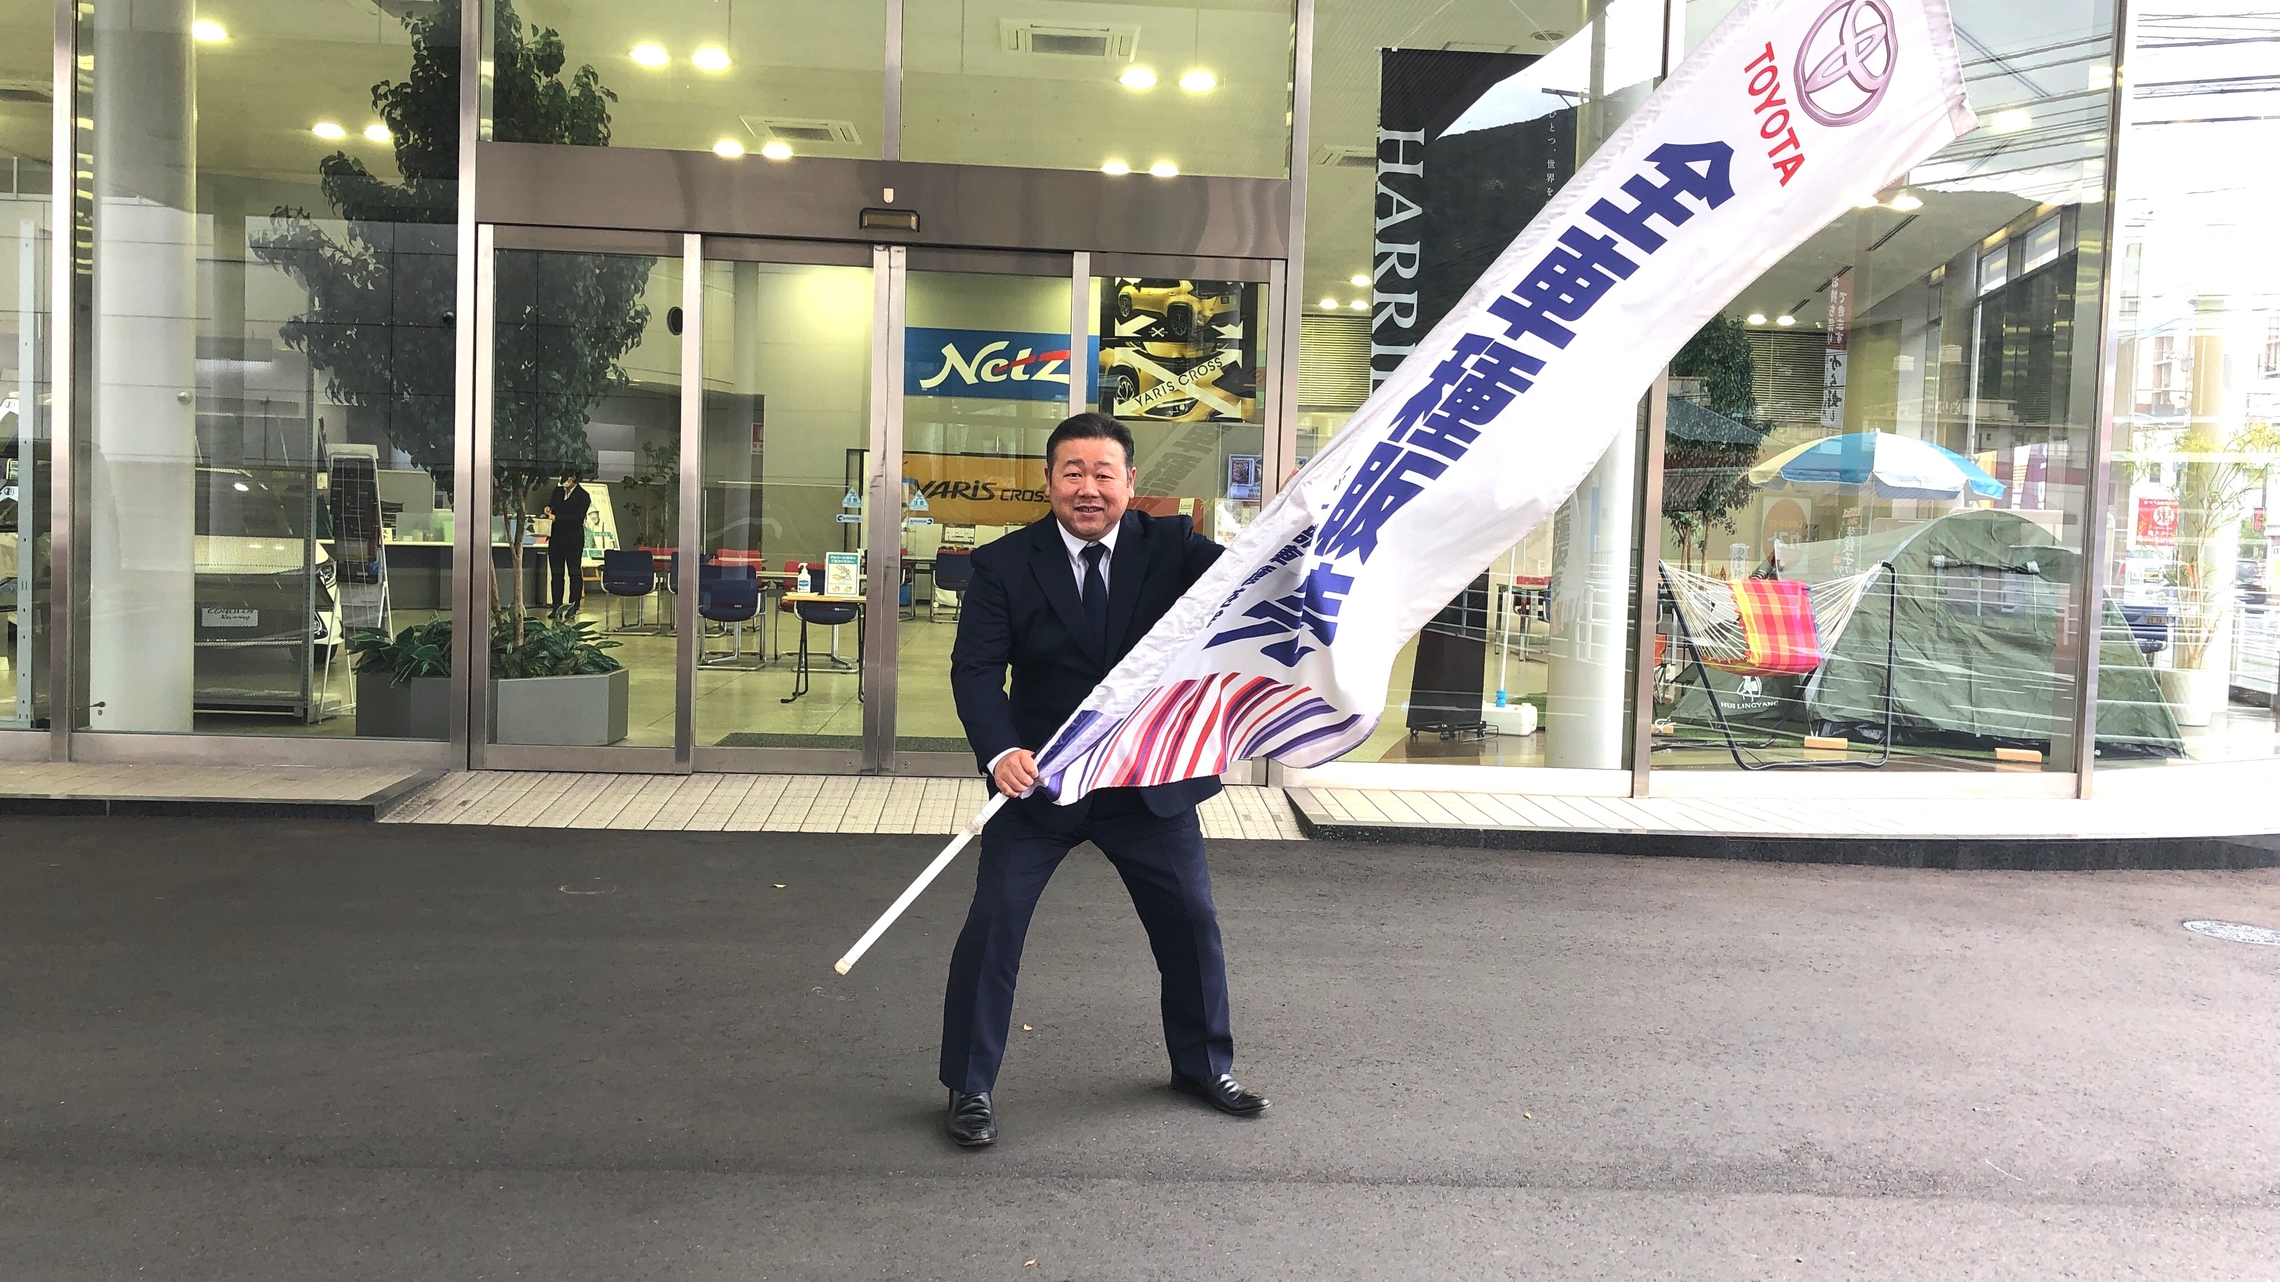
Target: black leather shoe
point(1223, 1093)
point(972, 1122)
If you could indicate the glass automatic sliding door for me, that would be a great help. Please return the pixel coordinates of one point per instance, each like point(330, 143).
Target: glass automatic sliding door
point(985, 376)
point(761, 563)
point(784, 493)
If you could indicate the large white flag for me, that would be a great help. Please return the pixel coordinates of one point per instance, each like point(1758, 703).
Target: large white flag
point(1786, 116)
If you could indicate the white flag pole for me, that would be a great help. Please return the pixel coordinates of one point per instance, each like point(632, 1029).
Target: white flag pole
point(972, 830)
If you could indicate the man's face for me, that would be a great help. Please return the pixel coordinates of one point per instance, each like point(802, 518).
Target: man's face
point(1090, 486)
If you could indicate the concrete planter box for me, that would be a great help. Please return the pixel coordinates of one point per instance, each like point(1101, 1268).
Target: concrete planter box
point(418, 709)
point(561, 711)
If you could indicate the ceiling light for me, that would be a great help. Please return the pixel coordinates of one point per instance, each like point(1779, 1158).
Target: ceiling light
point(1137, 78)
point(777, 149)
point(1906, 203)
point(1866, 200)
point(1360, 304)
point(710, 59)
point(1164, 169)
point(1785, 319)
point(378, 133)
point(649, 55)
point(2010, 121)
point(1199, 81)
point(1757, 318)
point(241, 487)
point(328, 131)
point(1359, 278)
point(729, 149)
point(1116, 167)
point(1329, 304)
point(205, 31)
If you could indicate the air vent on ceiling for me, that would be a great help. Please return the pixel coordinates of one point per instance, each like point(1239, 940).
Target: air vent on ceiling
point(828, 132)
point(1346, 157)
point(26, 91)
point(1068, 40)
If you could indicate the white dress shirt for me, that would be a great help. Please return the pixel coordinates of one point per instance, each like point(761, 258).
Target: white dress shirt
point(1076, 547)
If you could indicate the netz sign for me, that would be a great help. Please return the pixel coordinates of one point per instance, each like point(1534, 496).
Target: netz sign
point(996, 363)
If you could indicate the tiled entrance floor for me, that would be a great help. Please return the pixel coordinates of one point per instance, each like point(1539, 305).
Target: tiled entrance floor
point(767, 803)
point(57, 786)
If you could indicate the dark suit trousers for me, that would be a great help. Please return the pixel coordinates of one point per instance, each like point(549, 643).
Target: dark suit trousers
point(565, 570)
point(1162, 863)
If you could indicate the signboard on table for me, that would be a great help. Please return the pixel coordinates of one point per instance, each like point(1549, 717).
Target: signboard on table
point(843, 574)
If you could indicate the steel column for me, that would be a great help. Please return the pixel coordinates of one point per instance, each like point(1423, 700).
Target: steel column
point(63, 387)
point(883, 558)
point(685, 618)
point(1646, 583)
point(1080, 329)
point(470, 390)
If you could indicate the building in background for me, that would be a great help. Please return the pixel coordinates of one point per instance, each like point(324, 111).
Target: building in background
point(293, 373)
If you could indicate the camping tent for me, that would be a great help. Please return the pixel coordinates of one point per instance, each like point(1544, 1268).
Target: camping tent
point(1980, 592)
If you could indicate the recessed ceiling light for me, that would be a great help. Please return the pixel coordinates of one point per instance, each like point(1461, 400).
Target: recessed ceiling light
point(649, 55)
point(1906, 203)
point(209, 32)
point(328, 131)
point(1137, 78)
point(1360, 304)
point(1358, 278)
point(1329, 304)
point(2010, 121)
point(728, 149)
point(1116, 167)
point(1164, 169)
point(1199, 81)
point(1866, 200)
point(1757, 318)
point(377, 133)
point(710, 59)
point(777, 149)
point(1785, 319)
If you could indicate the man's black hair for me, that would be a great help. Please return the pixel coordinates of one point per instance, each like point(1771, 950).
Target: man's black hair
point(1089, 426)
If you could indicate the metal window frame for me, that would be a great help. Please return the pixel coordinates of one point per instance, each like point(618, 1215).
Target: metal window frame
point(2097, 513)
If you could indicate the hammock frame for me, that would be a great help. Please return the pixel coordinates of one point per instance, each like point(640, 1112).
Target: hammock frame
point(1726, 729)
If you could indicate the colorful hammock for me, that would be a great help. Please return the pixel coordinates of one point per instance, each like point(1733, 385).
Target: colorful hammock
point(1765, 627)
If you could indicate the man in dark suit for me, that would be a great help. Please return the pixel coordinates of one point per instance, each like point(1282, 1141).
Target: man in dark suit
point(1059, 602)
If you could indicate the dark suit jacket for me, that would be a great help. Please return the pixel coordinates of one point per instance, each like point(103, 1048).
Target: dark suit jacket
point(1023, 611)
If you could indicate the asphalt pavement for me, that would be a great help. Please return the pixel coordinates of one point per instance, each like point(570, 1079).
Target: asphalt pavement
point(272, 1050)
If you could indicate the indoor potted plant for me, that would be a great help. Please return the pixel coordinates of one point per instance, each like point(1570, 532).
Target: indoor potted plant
point(551, 683)
point(403, 682)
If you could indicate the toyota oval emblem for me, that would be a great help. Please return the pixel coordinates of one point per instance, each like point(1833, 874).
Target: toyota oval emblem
point(1847, 61)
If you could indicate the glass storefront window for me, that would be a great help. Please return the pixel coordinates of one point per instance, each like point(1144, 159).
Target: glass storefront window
point(269, 427)
point(2196, 398)
point(1158, 88)
point(1888, 432)
point(1530, 666)
point(767, 78)
point(27, 35)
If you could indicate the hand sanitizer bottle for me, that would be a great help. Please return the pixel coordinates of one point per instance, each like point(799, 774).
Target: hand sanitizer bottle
point(805, 583)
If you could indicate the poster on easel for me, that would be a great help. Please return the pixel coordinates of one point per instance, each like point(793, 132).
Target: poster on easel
point(1178, 351)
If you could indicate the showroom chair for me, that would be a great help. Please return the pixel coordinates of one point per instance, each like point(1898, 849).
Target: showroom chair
point(629, 573)
point(727, 595)
point(952, 572)
point(825, 614)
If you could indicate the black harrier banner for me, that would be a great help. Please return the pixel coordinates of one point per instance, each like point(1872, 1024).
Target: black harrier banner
point(1446, 207)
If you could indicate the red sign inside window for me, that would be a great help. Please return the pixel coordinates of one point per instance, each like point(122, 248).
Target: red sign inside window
point(2157, 522)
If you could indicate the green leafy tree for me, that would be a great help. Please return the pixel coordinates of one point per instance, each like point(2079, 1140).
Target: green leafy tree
point(1706, 481)
point(382, 280)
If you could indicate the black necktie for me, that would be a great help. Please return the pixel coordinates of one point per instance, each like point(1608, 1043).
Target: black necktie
point(1096, 594)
